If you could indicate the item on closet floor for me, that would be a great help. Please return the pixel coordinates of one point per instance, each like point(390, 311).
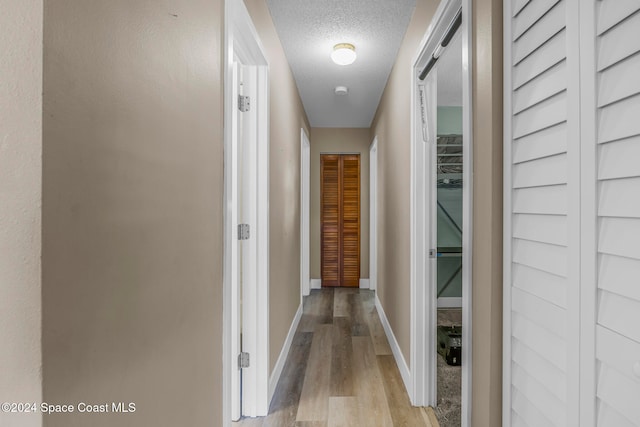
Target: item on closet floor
point(450, 344)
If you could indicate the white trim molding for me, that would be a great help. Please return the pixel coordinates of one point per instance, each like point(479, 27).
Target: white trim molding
point(507, 157)
point(364, 284)
point(395, 347)
point(282, 358)
point(316, 283)
point(467, 211)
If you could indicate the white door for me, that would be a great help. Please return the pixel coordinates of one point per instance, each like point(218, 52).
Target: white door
point(431, 199)
point(572, 213)
point(247, 217)
point(246, 391)
point(248, 205)
point(541, 218)
point(373, 214)
point(236, 247)
point(305, 176)
point(617, 228)
point(245, 223)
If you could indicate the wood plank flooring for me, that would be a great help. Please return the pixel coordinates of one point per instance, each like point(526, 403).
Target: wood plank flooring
point(340, 371)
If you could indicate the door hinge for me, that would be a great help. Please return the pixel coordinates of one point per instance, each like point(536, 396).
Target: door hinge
point(432, 253)
point(243, 360)
point(243, 231)
point(244, 103)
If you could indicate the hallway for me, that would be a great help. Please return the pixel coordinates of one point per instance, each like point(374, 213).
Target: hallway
point(340, 370)
point(119, 213)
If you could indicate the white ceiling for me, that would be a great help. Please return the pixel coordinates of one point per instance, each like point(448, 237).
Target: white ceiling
point(308, 30)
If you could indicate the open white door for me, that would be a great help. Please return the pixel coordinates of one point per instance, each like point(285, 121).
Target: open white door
point(235, 257)
point(246, 221)
point(305, 177)
point(373, 214)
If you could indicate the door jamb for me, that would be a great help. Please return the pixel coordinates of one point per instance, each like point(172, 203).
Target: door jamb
point(305, 177)
point(373, 214)
point(423, 326)
point(242, 41)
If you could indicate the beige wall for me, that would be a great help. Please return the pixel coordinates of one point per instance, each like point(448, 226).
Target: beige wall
point(132, 210)
point(338, 140)
point(487, 214)
point(20, 200)
point(286, 116)
point(392, 126)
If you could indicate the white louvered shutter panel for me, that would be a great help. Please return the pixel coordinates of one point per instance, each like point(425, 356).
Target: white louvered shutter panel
point(572, 213)
point(617, 342)
point(542, 212)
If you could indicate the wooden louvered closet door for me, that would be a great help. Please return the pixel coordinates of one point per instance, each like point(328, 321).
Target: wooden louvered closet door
point(340, 219)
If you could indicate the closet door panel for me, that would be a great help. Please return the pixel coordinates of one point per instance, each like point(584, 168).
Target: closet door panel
point(617, 108)
point(330, 219)
point(351, 221)
point(541, 151)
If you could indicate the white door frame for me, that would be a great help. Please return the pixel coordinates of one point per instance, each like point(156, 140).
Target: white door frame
point(373, 214)
point(242, 45)
point(305, 177)
point(423, 298)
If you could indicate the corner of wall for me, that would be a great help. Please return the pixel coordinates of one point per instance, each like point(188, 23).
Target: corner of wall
point(20, 214)
point(487, 214)
point(391, 125)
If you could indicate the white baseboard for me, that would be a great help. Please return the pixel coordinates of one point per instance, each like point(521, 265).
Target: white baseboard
point(317, 283)
point(305, 288)
point(450, 302)
point(282, 358)
point(395, 347)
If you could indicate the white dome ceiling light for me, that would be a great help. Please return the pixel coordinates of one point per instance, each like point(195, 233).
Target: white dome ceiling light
point(343, 54)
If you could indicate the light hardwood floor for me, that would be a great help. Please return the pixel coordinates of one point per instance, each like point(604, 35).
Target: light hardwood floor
point(340, 371)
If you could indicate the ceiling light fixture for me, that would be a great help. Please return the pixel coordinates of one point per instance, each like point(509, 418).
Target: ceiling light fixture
point(343, 54)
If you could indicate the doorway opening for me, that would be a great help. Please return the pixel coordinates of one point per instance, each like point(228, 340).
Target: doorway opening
point(448, 162)
point(441, 217)
point(246, 220)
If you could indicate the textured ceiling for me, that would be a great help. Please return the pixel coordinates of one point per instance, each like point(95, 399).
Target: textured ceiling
point(308, 30)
